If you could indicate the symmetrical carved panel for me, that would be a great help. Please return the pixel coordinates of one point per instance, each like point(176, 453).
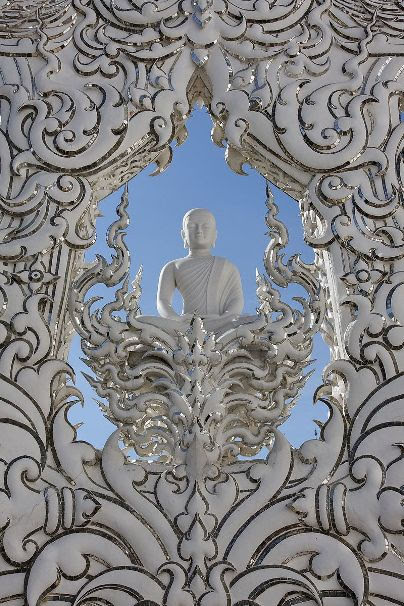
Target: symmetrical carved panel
point(308, 92)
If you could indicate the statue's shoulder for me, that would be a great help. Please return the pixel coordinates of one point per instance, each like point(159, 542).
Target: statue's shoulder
point(226, 264)
point(181, 261)
point(168, 269)
point(171, 266)
point(168, 265)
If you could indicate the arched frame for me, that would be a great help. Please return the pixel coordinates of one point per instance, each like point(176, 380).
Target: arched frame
point(309, 93)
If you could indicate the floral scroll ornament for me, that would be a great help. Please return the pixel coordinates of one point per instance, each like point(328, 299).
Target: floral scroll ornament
point(364, 276)
point(35, 276)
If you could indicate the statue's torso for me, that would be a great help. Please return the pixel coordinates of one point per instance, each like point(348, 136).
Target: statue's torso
point(205, 284)
point(193, 277)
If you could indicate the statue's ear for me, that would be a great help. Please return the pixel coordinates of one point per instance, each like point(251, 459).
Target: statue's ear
point(184, 239)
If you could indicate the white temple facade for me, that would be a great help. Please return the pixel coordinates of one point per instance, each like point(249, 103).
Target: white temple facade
point(309, 93)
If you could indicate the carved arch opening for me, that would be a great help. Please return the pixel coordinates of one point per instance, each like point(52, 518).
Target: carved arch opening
point(143, 194)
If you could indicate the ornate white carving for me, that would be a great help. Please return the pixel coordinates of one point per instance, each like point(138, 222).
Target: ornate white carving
point(309, 93)
point(175, 390)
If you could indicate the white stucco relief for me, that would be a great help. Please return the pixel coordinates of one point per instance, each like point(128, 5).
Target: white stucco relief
point(309, 93)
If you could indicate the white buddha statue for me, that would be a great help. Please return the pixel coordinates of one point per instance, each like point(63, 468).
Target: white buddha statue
point(210, 286)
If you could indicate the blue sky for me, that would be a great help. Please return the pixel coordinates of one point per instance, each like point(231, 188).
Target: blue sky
point(199, 177)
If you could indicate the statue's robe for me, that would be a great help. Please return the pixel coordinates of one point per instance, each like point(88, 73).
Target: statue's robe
point(208, 285)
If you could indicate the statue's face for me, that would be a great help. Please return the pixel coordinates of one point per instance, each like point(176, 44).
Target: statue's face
point(199, 230)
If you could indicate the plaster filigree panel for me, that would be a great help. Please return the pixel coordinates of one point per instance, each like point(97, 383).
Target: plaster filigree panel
point(310, 94)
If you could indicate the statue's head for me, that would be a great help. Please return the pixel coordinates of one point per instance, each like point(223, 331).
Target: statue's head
point(199, 229)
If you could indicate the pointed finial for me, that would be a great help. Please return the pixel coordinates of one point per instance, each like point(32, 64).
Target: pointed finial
point(125, 194)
